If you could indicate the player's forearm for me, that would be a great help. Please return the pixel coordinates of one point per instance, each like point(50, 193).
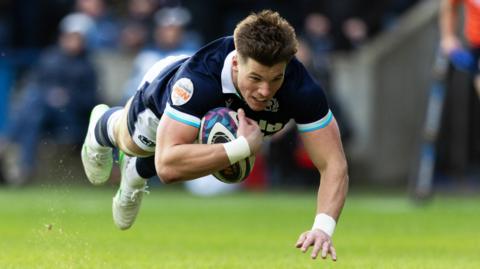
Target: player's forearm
point(333, 190)
point(190, 161)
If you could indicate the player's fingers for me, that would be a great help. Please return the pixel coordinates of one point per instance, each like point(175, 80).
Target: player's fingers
point(242, 117)
point(307, 243)
point(325, 249)
point(241, 114)
point(300, 240)
point(333, 252)
point(316, 249)
point(250, 121)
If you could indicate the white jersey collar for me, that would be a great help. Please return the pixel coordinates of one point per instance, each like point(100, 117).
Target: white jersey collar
point(227, 81)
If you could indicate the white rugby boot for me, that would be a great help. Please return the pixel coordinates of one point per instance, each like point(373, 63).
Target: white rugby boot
point(127, 200)
point(97, 161)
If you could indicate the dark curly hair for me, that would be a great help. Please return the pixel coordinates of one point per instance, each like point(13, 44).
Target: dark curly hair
point(265, 37)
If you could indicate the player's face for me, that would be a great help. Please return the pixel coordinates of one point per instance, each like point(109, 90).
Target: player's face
point(257, 83)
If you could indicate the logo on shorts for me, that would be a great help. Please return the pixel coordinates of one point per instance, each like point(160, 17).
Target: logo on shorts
point(182, 91)
point(147, 142)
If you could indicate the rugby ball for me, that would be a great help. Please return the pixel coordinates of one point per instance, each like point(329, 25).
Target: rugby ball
point(220, 125)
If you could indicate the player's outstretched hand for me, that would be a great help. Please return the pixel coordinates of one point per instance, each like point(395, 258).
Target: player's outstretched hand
point(250, 130)
point(320, 242)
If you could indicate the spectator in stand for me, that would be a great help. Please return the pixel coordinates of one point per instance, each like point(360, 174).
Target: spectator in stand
point(133, 37)
point(25, 28)
point(316, 46)
point(58, 96)
point(351, 22)
point(170, 38)
point(137, 26)
point(142, 12)
point(105, 33)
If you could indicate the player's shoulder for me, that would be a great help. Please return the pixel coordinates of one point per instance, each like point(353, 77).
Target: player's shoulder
point(302, 94)
point(197, 85)
point(216, 48)
point(206, 64)
point(299, 82)
point(209, 59)
point(203, 70)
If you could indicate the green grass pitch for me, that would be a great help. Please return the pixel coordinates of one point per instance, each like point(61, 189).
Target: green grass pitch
point(71, 227)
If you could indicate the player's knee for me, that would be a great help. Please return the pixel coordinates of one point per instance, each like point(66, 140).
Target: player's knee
point(125, 148)
point(131, 149)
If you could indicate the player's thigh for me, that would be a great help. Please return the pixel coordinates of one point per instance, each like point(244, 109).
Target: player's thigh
point(137, 128)
point(122, 136)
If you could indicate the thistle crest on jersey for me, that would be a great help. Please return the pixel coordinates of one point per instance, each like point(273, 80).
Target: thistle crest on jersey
point(273, 105)
point(182, 91)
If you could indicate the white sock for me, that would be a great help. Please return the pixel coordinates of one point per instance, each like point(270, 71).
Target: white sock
point(112, 120)
point(93, 143)
point(131, 174)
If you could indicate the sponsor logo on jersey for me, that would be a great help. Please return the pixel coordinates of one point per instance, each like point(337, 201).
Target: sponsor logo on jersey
point(182, 91)
point(272, 105)
point(268, 129)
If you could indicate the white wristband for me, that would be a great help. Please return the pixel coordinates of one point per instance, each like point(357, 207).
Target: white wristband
point(237, 149)
point(325, 223)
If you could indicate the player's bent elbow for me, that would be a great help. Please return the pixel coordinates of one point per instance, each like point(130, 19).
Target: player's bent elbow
point(165, 172)
point(343, 173)
point(338, 169)
point(167, 175)
point(342, 169)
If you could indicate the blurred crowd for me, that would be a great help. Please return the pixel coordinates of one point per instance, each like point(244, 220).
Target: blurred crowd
point(49, 83)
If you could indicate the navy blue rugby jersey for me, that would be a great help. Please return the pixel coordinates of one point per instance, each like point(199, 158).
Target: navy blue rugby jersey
point(188, 88)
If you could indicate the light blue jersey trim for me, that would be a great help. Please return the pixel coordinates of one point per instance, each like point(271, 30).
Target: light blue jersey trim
point(319, 124)
point(182, 117)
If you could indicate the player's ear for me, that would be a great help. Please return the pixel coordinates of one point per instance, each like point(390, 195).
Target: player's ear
point(235, 63)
